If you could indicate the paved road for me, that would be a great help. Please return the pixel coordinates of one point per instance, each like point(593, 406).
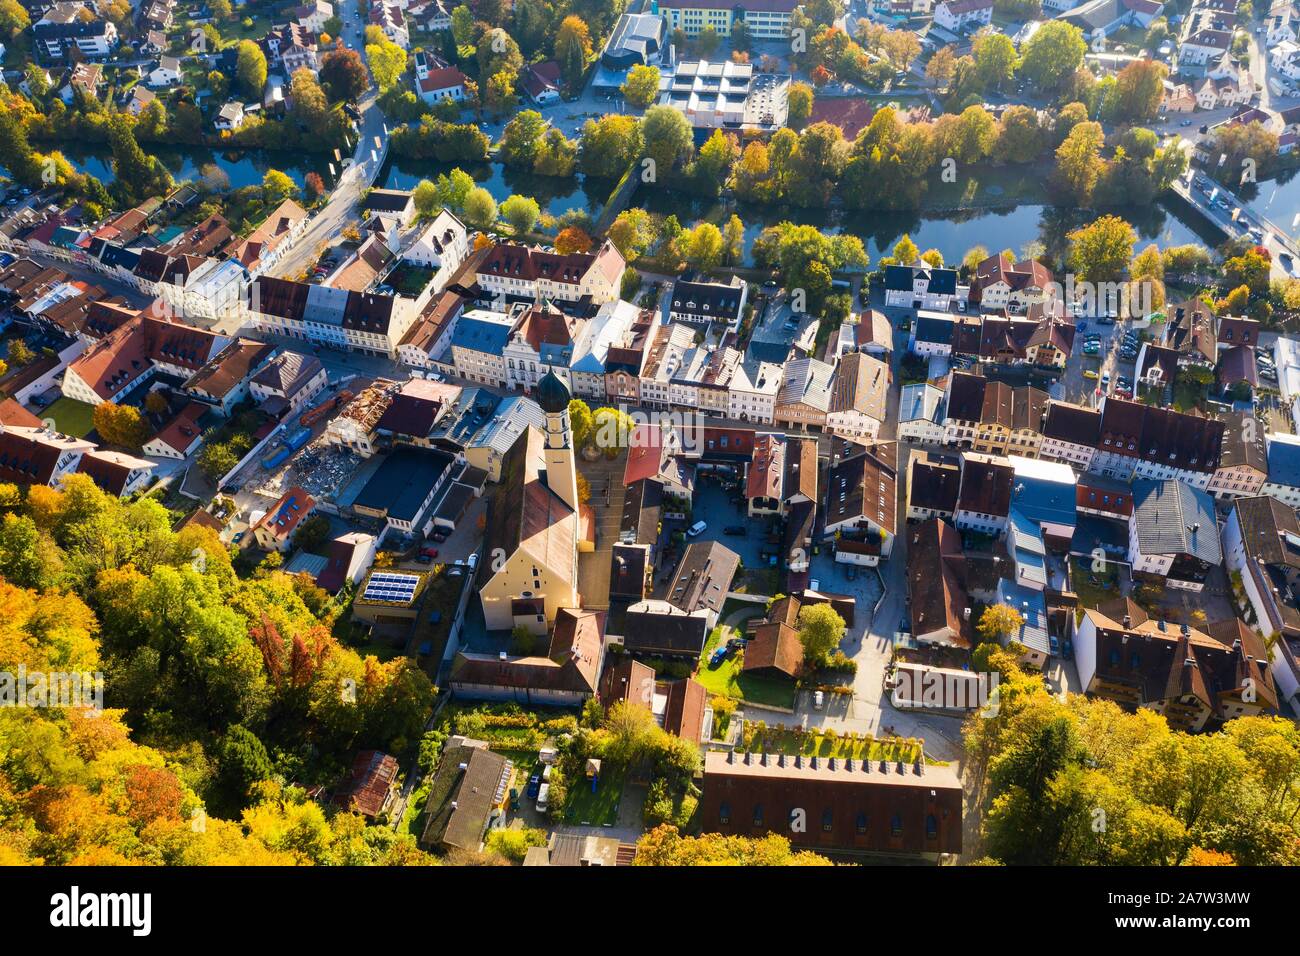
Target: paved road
point(367, 160)
point(1239, 216)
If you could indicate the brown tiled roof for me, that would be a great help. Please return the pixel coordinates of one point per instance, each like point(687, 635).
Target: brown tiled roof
point(283, 519)
point(466, 786)
point(1072, 423)
point(684, 710)
point(365, 789)
point(966, 396)
point(1163, 662)
point(934, 483)
point(572, 664)
point(109, 469)
point(775, 645)
point(527, 514)
point(26, 461)
point(986, 487)
point(230, 367)
point(852, 805)
point(416, 407)
point(124, 355)
point(627, 679)
point(767, 467)
point(861, 384)
point(864, 486)
point(1160, 434)
point(702, 578)
point(937, 597)
point(12, 413)
point(800, 468)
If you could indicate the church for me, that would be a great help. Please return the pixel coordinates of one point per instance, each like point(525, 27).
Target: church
point(529, 568)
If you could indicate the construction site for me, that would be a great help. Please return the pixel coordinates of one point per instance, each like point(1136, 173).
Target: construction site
point(313, 453)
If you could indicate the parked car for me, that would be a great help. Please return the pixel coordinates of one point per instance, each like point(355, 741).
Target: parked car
point(738, 530)
point(429, 552)
point(695, 530)
point(718, 656)
point(819, 700)
point(534, 784)
point(543, 798)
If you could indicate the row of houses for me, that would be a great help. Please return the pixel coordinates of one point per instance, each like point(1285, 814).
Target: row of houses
point(1228, 457)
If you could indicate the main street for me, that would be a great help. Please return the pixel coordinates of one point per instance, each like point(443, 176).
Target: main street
point(362, 169)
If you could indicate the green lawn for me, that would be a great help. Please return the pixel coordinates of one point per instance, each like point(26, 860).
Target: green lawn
point(1093, 587)
point(70, 416)
point(599, 808)
point(728, 680)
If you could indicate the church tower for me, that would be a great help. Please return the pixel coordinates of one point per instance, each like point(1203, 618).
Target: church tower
point(561, 465)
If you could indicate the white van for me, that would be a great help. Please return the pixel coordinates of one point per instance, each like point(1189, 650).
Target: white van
point(697, 529)
point(543, 796)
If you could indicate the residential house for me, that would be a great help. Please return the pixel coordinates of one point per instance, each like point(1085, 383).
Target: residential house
point(921, 287)
point(519, 272)
point(274, 531)
point(991, 417)
point(1145, 441)
point(566, 676)
point(984, 500)
point(957, 16)
point(223, 381)
point(936, 588)
point(470, 786)
point(922, 409)
point(933, 482)
point(700, 302)
point(1070, 434)
point(1193, 679)
point(292, 378)
point(858, 397)
point(541, 83)
point(1283, 481)
point(180, 437)
point(1243, 458)
point(805, 395)
point(370, 786)
point(163, 72)
point(1000, 284)
point(1173, 533)
point(860, 503)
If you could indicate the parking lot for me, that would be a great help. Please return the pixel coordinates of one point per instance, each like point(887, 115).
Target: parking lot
point(1074, 386)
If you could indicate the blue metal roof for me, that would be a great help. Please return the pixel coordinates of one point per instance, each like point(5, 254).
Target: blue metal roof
point(1033, 607)
point(1283, 461)
point(481, 335)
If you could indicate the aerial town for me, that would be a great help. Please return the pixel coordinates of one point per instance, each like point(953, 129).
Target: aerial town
point(650, 432)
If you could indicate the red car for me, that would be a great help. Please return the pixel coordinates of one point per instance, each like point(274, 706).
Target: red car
point(429, 552)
